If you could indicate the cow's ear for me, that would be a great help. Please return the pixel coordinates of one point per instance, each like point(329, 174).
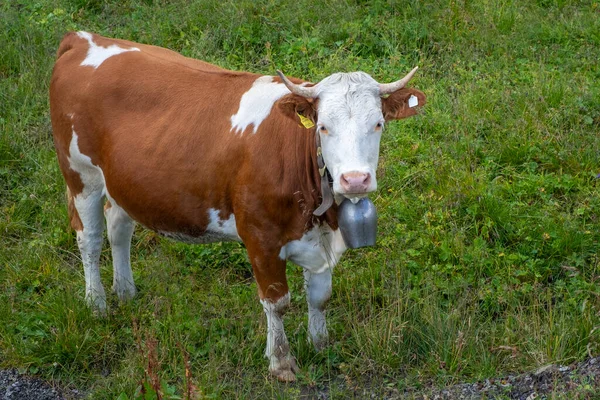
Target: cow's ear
point(293, 105)
point(403, 103)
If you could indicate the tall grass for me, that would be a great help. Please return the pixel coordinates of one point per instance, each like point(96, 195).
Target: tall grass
point(487, 257)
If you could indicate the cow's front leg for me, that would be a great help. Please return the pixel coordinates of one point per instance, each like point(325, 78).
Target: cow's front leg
point(318, 292)
point(269, 271)
point(281, 363)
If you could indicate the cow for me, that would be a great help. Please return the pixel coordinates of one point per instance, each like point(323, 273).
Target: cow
point(202, 154)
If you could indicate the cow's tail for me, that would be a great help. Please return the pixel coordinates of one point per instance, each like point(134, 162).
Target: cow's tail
point(70, 204)
point(74, 219)
point(66, 43)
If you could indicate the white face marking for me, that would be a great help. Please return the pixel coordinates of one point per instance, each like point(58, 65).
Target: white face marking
point(96, 55)
point(217, 230)
point(318, 250)
point(256, 103)
point(350, 110)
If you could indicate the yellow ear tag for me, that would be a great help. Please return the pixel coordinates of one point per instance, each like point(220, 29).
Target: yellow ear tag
point(307, 123)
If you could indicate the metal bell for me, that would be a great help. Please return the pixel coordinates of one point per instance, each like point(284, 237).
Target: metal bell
point(358, 223)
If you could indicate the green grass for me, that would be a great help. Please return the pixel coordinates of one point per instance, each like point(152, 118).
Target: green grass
point(489, 206)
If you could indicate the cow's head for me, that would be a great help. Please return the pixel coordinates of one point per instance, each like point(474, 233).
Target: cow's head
point(350, 111)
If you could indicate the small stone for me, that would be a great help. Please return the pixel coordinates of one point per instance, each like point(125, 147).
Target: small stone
point(546, 368)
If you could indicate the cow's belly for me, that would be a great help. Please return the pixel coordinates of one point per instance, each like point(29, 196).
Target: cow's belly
point(217, 230)
point(205, 238)
point(176, 214)
point(176, 202)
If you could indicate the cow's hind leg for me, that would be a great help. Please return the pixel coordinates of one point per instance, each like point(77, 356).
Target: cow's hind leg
point(120, 230)
point(85, 211)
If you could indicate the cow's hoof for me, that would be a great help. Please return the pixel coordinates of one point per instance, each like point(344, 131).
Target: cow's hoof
point(320, 345)
point(286, 376)
point(97, 304)
point(125, 292)
point(286, 372)
point(320, 342)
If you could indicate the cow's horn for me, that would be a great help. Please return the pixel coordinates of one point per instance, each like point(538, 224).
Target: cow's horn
point(387, 88)
point(309, 92)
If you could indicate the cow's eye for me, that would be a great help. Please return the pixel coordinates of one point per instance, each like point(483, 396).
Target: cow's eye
point(323, 130)
point(379, 126)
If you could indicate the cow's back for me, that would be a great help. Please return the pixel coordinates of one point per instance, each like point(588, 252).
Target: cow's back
point(156, 124)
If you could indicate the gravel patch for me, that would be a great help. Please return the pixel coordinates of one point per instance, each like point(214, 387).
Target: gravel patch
point(577, 381)
point(16, 386)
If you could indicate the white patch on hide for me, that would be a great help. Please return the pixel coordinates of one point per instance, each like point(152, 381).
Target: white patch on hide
point(96, 55)
point(217, 230)
point(223, 227)
point(256, 103)
point(91, 175)
point(317, 250)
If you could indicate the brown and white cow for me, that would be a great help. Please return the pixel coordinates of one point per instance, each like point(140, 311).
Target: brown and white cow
point(202, 154)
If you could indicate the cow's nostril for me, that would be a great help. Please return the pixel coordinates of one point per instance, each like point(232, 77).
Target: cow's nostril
point(355, 182)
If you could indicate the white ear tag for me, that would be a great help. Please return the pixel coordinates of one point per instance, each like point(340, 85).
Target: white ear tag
point(413, 101)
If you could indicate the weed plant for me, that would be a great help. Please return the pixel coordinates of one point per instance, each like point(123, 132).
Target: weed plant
point(487, 257)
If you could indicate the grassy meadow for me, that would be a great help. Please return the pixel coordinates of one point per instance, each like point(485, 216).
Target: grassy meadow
point(487, 260)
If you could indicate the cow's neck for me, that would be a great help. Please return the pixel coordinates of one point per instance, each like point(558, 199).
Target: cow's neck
point(325, 185)
point(323, 207)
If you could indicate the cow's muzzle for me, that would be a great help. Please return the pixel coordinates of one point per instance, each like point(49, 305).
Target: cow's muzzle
point(355, 182)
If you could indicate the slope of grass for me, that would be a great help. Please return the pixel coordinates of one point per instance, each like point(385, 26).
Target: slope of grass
point(487, 257)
